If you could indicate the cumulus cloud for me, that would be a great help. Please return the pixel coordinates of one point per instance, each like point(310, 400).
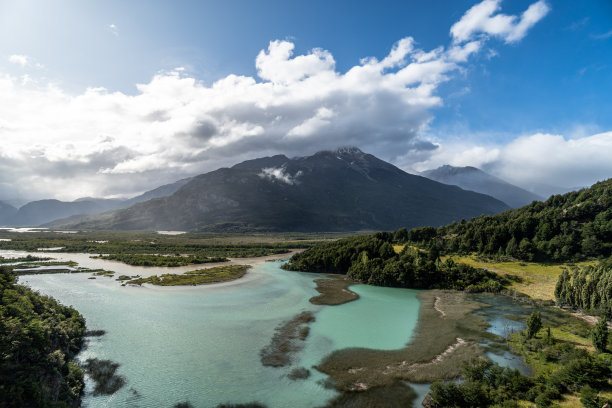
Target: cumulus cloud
point(534, 161)
point(484, 18)
point(111, 143)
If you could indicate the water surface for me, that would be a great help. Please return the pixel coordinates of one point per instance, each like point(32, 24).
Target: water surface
point(201, 344)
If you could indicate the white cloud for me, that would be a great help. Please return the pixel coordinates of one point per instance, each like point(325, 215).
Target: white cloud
point(19, 59)
point(280, 174)
point(114, 29)
point(533, 160)
point(483, 18)
point(111, 143)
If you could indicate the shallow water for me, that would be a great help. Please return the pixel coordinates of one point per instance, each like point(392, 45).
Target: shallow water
point(201, 344)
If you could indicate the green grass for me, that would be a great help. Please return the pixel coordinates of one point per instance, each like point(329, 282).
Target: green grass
point(199, 277)
point(537, 280)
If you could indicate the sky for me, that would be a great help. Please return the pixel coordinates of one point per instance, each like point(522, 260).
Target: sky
point(113, 98)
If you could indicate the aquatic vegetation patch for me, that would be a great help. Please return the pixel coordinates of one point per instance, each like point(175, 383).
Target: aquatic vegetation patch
point(216, 274)
point(103, 373)
point(288, 339)
point(299, 373)
point(333, 291)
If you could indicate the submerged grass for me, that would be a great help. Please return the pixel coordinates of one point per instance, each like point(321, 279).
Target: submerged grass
point(287, 340)
point(333, 291)
point(216, 274)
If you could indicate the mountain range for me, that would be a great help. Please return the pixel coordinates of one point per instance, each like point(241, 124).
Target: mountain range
point(341, 190)
point(41, 212)
point(471, 178)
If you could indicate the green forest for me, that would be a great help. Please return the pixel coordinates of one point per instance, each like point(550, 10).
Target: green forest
point(38, 340)
point(588, 289)
point(568, 227)
point(371, 259)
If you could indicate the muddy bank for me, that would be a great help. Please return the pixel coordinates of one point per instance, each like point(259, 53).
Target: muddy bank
point(333, 291)
point(447, 335)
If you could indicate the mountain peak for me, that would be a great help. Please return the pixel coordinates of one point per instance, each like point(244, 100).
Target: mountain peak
point(472, 178)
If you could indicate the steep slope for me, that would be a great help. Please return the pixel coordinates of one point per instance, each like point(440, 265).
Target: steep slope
point(342, 190)
point(566, 227)
point(162, 191)
point(471, 178)
point(7, 213)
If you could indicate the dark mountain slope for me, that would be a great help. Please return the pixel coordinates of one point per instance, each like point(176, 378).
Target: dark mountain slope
point(471, 178)
point(343, 190)
point(7, 212)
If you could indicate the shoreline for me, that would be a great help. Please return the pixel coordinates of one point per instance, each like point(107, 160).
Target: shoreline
point(436, 350)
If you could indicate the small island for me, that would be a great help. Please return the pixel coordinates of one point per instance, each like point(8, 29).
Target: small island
point(216, 274)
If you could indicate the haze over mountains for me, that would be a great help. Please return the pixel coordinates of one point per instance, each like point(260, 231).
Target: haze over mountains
point(471, 178)
point(341, 190)
point(40, 212)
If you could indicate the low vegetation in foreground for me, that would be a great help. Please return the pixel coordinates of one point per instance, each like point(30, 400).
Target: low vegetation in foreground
point(38, 340)
point(569, 372)
point(216, 274)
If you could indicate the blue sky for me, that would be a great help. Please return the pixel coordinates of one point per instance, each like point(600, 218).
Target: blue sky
point(545, 91)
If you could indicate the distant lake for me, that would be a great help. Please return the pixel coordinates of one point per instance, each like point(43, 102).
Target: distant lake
point(201, 344)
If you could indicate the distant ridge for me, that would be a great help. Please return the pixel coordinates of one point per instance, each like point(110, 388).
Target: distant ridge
point(340, 190)
point(471, 178)
point(42, 212)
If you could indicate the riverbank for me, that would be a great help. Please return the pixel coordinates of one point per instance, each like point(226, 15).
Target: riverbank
point(439, 345)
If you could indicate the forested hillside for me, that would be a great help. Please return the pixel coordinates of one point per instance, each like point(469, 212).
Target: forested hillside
point(566, 227)
point(38, 339)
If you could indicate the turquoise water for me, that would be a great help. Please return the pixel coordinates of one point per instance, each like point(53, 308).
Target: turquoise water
point(201, 344)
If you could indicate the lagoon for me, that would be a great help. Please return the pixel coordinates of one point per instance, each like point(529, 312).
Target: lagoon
point(201, 344)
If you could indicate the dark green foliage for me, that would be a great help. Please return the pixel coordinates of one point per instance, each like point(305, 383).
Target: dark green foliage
point(38, 339)
point(588, 289)
point(371, 259)
point(534, 324)
point(247, 405)
point(487, 384)
point(162, 260)
point(600, 335)
point(589, 397)
point(567, 227)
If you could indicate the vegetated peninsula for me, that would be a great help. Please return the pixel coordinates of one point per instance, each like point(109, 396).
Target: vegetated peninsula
point(341, 190)
point(39, 338)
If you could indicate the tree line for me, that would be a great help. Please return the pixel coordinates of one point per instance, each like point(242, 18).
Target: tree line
point(372, 259)
point(588, 289)
point(566, 227)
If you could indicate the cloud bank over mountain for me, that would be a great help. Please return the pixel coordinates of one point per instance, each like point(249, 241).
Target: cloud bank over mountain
point(101, 142)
